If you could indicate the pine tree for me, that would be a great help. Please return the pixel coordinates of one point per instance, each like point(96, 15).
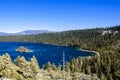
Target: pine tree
point(110, 77)
point(102, 77)
point(48, 66)
point(54, 68)
point(34, 65)
point(24, 65)
point(88, 71)
point(67, 67)
point(59, 67)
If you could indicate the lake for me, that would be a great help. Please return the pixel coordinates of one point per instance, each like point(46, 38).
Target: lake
point(42, 52)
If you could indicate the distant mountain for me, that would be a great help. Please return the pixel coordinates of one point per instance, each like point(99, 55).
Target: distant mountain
point(27, 32)
point(2, 33)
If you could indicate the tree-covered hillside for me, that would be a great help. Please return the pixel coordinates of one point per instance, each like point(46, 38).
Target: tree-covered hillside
point(106, 41)
point(87, 38)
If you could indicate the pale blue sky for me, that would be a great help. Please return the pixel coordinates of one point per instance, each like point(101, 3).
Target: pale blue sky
point(57, 15)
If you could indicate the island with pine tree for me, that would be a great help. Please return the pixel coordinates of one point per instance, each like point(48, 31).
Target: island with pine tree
point(23, 49)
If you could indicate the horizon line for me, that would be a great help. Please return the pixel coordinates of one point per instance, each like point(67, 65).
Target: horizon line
point(55, 30)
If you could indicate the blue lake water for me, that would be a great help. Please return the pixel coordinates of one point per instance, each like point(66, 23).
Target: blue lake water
point(42, 52)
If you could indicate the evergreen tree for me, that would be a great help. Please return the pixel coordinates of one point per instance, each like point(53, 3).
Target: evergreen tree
point(34, 65)
point(88, 70)
point(102, 77)
point(59, 67)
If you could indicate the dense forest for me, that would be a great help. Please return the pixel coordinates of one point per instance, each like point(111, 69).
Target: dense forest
point(106, 41)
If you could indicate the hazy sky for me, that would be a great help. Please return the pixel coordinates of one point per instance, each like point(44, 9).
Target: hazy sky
point(57, 15)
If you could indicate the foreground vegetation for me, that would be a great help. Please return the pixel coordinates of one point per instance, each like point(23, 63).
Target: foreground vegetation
point(29, 70)
point(106, 41)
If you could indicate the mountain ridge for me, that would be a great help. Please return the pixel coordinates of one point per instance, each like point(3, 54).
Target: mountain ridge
point(25, 32)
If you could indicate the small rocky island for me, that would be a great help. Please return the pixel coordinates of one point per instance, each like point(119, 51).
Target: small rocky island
point(23, 49)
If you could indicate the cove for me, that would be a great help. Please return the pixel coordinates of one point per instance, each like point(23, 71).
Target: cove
point(42, 52)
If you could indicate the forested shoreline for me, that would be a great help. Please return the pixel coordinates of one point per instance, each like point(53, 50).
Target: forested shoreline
point(106, 41)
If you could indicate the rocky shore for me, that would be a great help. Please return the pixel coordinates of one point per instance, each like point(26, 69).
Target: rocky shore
point(97, 53)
